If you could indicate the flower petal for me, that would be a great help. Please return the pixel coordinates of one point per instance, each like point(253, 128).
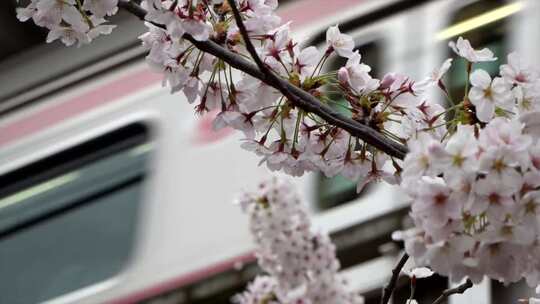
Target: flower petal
point(480, 78)
point(485, 110)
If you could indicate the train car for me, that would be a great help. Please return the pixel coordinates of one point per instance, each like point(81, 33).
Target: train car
point(114, 191)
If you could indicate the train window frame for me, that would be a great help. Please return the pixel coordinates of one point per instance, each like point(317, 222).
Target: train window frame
point(133, 143)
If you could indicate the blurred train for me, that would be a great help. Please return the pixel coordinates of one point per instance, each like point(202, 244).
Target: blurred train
point(113, 191)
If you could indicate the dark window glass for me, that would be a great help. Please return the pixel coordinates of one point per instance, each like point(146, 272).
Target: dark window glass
point(69, 220)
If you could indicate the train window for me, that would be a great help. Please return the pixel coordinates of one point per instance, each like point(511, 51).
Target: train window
point(336, 191)
point(69, 220)
point(484, 24)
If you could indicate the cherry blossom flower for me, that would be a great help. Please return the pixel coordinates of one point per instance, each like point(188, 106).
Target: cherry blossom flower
point(507, 134)
point(418, 272)
point(421, 159)
point(459, 154)
point(355, 166)
point(261, 290)
point(516, 71)
point(341, 43)
point(261, 17)
point(501, 167)
point(356, 75)
point(69, 24)
point(377, 173)
point(486, 95)
point(531, 123)
point(49, 13)
point(527, 98)
point(306, 61)
point(435, 205)
point(300, 263)
point(494, 198)
point(464, 49)
point(436, 75)
point(68, 36)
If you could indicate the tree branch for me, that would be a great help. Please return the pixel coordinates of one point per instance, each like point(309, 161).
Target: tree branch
point(457, 290)
point(389, 288)
point(298, 96)
point(270, 76)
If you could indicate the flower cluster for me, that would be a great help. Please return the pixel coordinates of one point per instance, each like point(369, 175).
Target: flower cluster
point(301, 265)
point(286, 137)
point(475, 195)
point(71, 21)
point(283, 135)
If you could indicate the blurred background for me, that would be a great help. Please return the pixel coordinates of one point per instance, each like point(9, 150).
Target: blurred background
point(113, 191)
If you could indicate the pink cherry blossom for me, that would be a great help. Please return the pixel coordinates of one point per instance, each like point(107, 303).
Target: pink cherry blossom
point(516, 71)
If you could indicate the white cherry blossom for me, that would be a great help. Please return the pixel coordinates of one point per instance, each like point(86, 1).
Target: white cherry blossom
point(342, 44)
point(486, 95)
point(68, 23)
point(421, 160)
point(356, 75)
point(463, 48)
point(306, 62)
point(527, 98)
point(418, 272)
point(436, 75)
point(300, 263)
point(68, 36)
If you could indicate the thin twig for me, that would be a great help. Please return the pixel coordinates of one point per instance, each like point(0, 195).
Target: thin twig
point(299, 97)
point(249, 46)
point(389, 288)
point(456, 290)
